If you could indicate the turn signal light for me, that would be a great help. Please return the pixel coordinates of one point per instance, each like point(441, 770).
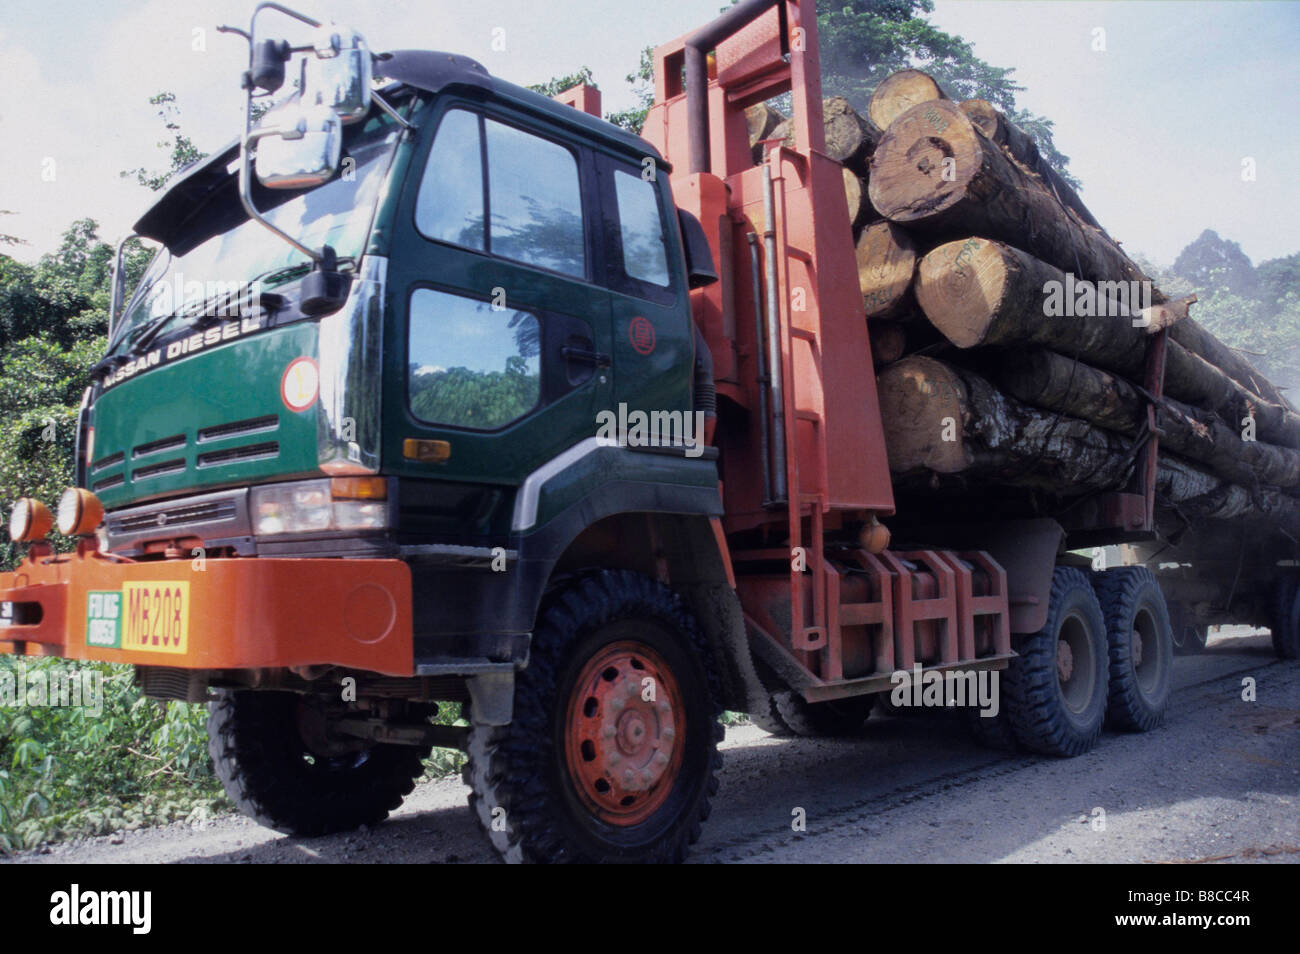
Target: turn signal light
point(80, 512)
point(427, 451)
point(358, 488)
point(31, 520)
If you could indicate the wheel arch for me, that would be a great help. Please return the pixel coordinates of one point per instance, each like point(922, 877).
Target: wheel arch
point(687, 553)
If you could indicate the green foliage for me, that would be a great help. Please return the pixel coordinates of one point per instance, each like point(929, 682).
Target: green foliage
point(477, 399)
point(181, 151)
point(1255, 310)
point(72, 771)
point(558, 84)
point(1211, 262)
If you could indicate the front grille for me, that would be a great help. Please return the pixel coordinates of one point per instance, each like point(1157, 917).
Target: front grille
point(234, 455)
point(207, 511)
point(254, 425)
point(108, 483)
point(157, 447)
point(158, 470)
point(112, 460)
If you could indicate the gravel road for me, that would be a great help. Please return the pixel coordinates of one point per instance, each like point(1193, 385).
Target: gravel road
point(1219, 782)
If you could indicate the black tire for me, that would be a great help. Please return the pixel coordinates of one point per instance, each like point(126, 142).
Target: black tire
point(525, 794)
point(1141, 647)
point(1189, 639)
point(275, 778)
point(1285, 622)
point(841, 717)
point(1056, 699)
point(992, 732)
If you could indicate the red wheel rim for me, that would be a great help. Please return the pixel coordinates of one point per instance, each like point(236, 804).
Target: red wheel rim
point(624, 733)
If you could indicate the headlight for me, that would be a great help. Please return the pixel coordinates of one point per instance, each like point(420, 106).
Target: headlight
point(30, 520)
point(80, 512)
point(314, 506)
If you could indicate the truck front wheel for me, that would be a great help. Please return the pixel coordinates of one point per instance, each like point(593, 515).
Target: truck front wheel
point(612, 752)
point(277, 767)
point(1056, 688)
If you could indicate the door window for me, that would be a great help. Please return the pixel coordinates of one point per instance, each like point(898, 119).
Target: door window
point(471, 365)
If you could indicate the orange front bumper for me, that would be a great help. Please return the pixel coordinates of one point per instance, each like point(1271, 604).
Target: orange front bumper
point(212, 614)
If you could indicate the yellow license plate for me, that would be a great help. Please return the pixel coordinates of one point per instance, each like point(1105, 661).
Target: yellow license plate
point(156, 616)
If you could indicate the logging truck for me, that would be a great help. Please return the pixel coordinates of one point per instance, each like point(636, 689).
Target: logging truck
point(440, 390)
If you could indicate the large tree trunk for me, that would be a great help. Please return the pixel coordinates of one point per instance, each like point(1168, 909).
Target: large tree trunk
point(1050, 380)
point(886, 264)
point(978, 292)
point(951, 421)
point(898, 93)
point(933, 171)
point(993, 123)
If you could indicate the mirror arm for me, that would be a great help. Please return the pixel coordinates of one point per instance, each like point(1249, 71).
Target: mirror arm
point(282, 9)
point(384, 105)
point(119, 284)
point(245, 183)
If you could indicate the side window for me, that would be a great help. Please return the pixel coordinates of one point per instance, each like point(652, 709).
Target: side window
point(535, 201)
point(471, 366)
point(644, 253)
point(533, 195)
point(449, 206)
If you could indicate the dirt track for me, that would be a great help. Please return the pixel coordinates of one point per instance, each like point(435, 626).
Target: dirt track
point(1221, 780)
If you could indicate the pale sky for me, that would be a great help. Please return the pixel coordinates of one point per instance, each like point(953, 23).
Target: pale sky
point(1157, 125)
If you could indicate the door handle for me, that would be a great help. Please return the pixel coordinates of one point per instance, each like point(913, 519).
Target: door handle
point(585, 356)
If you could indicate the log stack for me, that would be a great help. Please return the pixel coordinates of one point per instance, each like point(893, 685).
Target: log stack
point(1032, 387)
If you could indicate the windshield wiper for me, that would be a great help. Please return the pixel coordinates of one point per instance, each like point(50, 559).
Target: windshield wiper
point(146, 335)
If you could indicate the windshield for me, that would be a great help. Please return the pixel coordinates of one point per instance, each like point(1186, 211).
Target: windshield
point(338, 214)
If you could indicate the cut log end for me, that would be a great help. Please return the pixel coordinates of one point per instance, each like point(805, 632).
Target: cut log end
point(898, 93)
point(922, 401)
point(961, 287)
point(886, 264)
point(924, 163)
point(849, 138)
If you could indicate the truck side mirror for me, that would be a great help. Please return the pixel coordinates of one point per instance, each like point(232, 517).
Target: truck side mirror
point(300, 151)
point(700, 270)
point(338, 75)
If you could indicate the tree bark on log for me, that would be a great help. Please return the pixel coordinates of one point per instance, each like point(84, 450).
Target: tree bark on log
point(951, 421)
point(855, 194)
point(886, 265)
point(933, 171)
point(994, 123)
point(1050, 380)
point(850, 139)
point(898, 93)
point(978, 292)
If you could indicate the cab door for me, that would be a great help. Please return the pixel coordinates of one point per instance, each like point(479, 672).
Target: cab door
point(501, 324)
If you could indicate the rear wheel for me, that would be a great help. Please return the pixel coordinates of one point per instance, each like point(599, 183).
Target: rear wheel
point(1055, 689)
point(281, 767)
point(612, 753)
point(835, 718)
point(1285, 622)
point(1140, 647)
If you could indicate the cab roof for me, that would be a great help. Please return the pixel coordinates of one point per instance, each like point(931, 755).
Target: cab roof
point(427, 70)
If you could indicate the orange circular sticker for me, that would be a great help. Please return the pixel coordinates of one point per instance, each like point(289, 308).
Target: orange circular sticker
point(642, 334)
